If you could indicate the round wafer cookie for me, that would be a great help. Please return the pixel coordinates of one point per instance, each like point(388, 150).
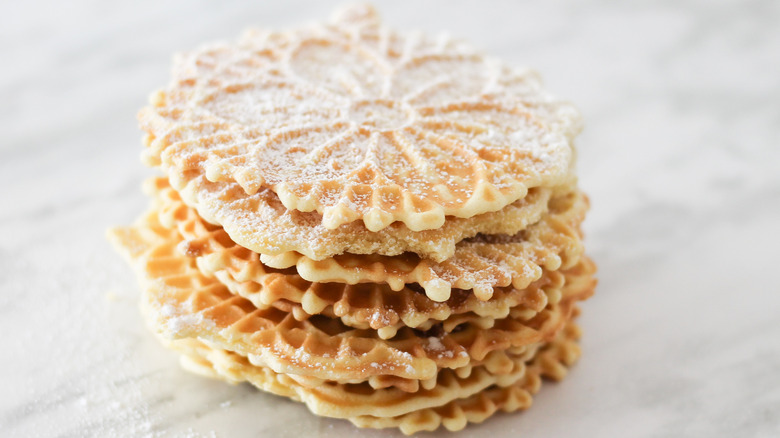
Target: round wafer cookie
point(452, 402)
point(261, 223)
point(496, 363)
point(349, 400)
point(552, 362)
point(186, 304)
point(365, 305)
point(359, 122)
point(481, 263)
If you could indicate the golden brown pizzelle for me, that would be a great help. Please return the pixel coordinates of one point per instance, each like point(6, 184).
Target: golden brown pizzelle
point(481, 263)
point(187, 304)
point(452, 402)
point(369, 305)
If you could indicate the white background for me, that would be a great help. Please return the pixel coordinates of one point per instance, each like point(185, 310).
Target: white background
point(681, 157)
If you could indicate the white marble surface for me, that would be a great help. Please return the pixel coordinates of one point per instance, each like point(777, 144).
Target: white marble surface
point(681, 155)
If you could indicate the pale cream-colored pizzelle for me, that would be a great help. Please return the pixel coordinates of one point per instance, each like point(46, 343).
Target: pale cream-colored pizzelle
point(261, 223)
point(496, 363)
point(481, 264)
point(357, 122)
point(453, 402)
point(186, 304)
point(552, 363)
point(350, 400)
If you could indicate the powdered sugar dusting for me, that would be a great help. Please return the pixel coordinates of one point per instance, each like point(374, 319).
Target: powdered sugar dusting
point(176, 323)
point(435, 344)
point(360, 122)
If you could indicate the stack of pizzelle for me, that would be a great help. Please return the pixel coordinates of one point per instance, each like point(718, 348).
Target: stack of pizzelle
point(384, 226)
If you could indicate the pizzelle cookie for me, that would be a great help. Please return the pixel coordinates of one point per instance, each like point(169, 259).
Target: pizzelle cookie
point(358, 122)
point(261, 223)
point(367, 305)
point(552, 362)
point(452, 402)
point(186, 304)
point(385, 226)
point(480, 264)
point(353, 399)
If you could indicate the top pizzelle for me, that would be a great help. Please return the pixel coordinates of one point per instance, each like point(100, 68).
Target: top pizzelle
point(359, 122)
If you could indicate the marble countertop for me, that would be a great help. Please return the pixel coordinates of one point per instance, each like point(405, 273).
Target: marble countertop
point(681, 156)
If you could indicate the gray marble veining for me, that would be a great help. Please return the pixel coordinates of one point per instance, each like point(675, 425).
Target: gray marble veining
point(680, 155)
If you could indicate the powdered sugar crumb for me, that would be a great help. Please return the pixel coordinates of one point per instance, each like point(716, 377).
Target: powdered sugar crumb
point(177, 323)
point(435, 344)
